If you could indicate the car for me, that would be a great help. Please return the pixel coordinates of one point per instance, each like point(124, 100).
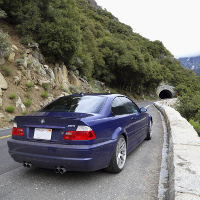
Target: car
point(80, 132)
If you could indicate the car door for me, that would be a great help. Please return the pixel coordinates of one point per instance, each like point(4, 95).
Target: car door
point(136, 135)
point(122, 118)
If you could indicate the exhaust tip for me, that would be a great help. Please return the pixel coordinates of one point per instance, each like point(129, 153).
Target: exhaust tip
point(63, 170)
point(60, 170)
point(27, 164)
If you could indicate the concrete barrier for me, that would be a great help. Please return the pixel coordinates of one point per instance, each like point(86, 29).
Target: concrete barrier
point(184, 155)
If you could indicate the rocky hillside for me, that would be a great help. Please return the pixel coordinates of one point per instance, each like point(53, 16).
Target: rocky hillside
point(27, 82)
point(192, 63)
point(93, 3)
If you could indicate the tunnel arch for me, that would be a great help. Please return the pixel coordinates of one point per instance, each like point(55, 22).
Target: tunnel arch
point(166, 91)
point(165, 94)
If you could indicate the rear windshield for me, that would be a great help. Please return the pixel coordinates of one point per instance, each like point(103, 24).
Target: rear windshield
point(81, 104)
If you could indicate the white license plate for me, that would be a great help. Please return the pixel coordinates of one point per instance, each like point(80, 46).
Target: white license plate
point(43, 134)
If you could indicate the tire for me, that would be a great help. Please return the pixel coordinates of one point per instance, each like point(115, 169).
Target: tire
point(149, 133)
point(118, 159)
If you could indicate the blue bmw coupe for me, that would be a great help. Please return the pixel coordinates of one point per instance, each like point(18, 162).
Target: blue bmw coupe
point(80, 132)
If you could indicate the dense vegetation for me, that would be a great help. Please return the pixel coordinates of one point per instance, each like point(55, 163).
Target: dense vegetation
point(92, 42)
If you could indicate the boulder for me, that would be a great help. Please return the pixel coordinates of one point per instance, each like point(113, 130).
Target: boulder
point(28, 75)
point(1, 103)
point(0, 92)
point(16, 80)
point(34, 46)
point(1, 115)
point(15, 48)
point(99, 84)
point(19, 74)
point(41, 82)
point(41, 58)
point(11, 57)
point(20, 104)
point(50, 73)
point(2, 61)
point(36, 88)
point(72, 79)
point(65, 73)
point(3, 83)
point(46, 67)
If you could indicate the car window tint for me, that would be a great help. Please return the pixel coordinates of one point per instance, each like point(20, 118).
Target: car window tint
point(117, 107)
point(129, 105)
point(82, 104)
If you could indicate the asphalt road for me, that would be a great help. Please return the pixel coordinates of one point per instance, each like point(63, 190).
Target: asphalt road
point(138, 181)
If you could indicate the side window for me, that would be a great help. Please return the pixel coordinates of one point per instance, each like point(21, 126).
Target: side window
point(117, 107)
point(129, 105)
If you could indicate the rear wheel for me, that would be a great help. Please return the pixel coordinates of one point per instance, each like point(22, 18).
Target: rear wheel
point(118, 159)
point(149, 133)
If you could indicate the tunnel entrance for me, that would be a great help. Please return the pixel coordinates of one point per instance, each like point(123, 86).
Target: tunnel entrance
point(165, 94)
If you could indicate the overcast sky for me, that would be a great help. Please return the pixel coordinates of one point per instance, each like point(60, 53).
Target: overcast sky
point(174, 22)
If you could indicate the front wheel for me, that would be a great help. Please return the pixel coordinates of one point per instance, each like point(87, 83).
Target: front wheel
point(118, 159)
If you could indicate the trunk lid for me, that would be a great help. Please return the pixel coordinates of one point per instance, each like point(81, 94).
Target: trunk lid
point(48, 127)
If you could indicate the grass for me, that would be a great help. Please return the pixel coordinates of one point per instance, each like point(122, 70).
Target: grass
point(6, 71)
point(9, 109)
point(12, 96)
point(28, 102)
point(24, 112)
point(45, 94)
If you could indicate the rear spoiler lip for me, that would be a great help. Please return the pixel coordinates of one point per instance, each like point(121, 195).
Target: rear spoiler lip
point(59, 115)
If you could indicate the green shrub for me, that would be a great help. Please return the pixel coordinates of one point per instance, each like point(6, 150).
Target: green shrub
point(45, 94)
point(5, 45)
point(45, 86)
point(61, 87)
point(3, 14)
point(76, 73)
point(12, 96)
point(30, 84)
point(27, 39)
point(196, 125)
point(19, 62)
point(74, 89)
point(85, 77)
point(6, 71)
point(28, 102)
point(11, 118)
point(28, 95)
point(65, 89)
point(72, 67)
point(9, 109)
point(29, 62)
point(24, 112)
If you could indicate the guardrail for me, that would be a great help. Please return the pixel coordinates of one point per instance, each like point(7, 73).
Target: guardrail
point(184, 154)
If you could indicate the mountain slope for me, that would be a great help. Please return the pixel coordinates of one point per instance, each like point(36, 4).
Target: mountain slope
point(192, 63)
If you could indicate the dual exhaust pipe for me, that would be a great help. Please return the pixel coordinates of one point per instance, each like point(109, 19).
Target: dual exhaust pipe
point(60, 170)
point(27, 164)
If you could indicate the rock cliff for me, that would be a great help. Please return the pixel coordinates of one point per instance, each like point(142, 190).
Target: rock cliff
point(27, 82)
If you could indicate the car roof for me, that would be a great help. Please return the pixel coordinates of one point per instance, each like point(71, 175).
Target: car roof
point(97, 94)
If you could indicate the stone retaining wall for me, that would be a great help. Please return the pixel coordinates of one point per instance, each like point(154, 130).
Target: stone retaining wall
point(184, 155)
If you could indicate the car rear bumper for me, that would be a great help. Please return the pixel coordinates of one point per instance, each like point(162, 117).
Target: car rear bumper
point(73, 157)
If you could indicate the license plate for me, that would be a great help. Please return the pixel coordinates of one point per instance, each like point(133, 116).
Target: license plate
point(43, 134)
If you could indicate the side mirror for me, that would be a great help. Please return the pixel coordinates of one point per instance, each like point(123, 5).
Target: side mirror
point(143, 110)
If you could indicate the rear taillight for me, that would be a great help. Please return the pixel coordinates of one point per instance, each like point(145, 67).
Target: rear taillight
point(81, 133)
point(17, 130)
